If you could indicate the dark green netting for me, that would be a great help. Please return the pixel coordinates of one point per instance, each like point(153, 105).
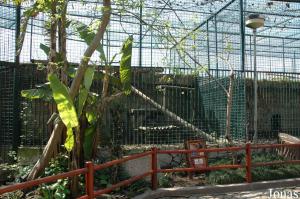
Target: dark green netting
point(213, 105)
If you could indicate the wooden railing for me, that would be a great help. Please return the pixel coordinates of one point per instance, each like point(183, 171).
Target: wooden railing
point(90, 168)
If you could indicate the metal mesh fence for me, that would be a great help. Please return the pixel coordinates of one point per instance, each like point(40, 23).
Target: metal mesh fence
point(8, 33)
point(6, 109)
point(215, 38)
point(278, 102)
point(223, 42)
point(34, 114)
point(214, 103)
point(175, 93)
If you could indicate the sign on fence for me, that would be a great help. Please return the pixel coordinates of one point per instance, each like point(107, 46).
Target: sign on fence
point(196, 159)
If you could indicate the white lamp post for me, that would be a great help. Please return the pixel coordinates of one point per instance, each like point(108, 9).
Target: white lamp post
point(255, 21)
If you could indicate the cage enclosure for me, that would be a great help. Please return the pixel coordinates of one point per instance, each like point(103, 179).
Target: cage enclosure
point(184, 79)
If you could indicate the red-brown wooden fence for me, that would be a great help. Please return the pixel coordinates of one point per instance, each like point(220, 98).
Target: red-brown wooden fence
point(90, 168)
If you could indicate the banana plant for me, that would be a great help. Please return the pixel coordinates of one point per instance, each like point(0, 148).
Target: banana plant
point(70, 111)
point(122, 83)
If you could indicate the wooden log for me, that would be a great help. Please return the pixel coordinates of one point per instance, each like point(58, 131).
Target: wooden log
point(289, 152)
point(176, 117)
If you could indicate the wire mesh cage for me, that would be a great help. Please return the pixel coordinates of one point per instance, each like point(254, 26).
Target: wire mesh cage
point(186, 73)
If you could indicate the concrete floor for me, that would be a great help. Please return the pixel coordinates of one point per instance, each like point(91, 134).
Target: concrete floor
point(278, 193)
point(276, 189)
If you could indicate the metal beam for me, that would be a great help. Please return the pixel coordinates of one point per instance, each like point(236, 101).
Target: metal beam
point(204, 22)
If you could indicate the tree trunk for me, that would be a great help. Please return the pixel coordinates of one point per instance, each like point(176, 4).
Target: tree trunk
point(53, 29)
point(228, 134)
point(51, 148)
point(48, 151)
point(229, 108)
point(62, 39)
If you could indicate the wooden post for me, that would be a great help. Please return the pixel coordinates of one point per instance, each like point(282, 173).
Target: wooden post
point(154, 168)
point(89, 180)
point(248, 163)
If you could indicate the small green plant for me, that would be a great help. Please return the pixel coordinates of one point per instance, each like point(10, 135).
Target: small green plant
point(272, 172)
point(103, 178)
point(165, 180)
point(226, 176)
point(136, 188)
point(59, 189)
point(12, 156)
point(57, 165)
point(13, 195)
point(14, 171)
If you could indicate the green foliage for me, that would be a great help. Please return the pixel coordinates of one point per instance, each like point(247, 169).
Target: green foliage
point(57, 165)
point(59, 189)
point(229, 47)
point(42, 91)
point(88, 77)
point(87, 34)
point(91, 117)
point(113, 80)
point(64, 102)
point(165, 180)
point(125, 65)
point(45, 48)
point(34, 94)
point(200, 70)
point(69, 143)
point(84, 90)
point(14, 171)
point(273, 172)
point(65, 108)
point(88, 141)
point(83, 94)
point(13, 195)
point(103, 178)
point(226, 176)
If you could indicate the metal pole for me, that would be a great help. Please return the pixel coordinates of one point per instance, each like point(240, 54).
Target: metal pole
point(283, 55)
point(250, 51)
point(216, 47)
point(208, 50)
point(242, 31)
point(255, 89)
point(294, 63)
point(31, 31)
point(141, 36)
point(151, 49)
point(16, 86)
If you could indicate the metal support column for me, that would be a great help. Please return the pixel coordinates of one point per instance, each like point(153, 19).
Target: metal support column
point(208, 50)
point(242, 31)
point(216, 46)
point(151, 49)
point(16, 85)
point(255, 90)
point(283, 55)
point(141, 35)
point(294, 63)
